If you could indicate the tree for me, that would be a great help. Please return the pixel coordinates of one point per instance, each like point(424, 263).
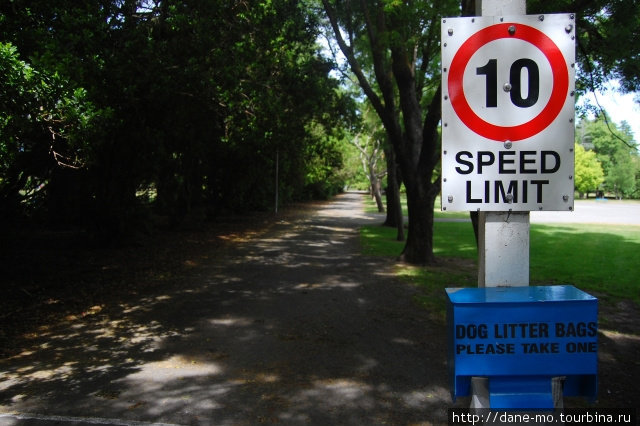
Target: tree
point(622, 178)
point(370, 141)
point(195, 100)
point(608, 40)
point(636, 167)
point(588, 171)
point(392, 49)
point(42, 130)
point(395, 217)
point(614, 148)
point(371, 150)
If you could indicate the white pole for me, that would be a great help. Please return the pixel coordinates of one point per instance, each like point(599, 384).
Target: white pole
point(501, 7)
point(503, 237)
point(503, 249)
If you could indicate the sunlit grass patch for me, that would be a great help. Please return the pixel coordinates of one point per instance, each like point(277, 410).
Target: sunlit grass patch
point(602, 259)
point(598, 258)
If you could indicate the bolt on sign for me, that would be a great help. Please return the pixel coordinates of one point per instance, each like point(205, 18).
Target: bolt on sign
point(508, 108)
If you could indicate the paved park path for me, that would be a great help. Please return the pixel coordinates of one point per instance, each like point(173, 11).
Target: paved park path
point(292, 326)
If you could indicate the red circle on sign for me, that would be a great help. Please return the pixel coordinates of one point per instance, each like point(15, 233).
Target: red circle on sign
point(538, 123)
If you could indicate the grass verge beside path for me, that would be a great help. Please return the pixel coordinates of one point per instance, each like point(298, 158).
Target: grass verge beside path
point(595, 258)
point(370, 207)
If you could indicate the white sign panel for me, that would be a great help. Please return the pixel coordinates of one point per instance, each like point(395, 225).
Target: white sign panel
point(508, 107)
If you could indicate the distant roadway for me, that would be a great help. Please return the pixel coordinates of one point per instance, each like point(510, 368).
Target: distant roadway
point(610, 212)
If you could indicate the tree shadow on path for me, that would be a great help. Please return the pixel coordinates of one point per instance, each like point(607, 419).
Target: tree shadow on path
point(293, 326)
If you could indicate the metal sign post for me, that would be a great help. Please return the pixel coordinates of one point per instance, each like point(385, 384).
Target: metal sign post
point(508, 131)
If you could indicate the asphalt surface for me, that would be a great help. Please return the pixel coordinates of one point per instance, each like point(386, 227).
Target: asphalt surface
point(601, 212)
point(605, 212)
point(293, 326)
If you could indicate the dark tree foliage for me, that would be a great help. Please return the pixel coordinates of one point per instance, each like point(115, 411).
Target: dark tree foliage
point(184, 106)
point(43, 125)
point(608, 39)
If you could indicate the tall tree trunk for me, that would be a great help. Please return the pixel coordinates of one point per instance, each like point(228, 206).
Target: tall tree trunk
point(419, 154)
point(419, 246)
point(394, 207)
point(376, 191)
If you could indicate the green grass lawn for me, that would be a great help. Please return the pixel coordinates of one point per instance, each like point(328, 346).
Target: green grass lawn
point(370, 207)
point(601, 259)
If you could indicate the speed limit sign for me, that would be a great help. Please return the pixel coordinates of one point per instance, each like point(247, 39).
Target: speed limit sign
point(508, 112)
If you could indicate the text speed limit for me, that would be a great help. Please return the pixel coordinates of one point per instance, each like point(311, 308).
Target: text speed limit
point(508, 92)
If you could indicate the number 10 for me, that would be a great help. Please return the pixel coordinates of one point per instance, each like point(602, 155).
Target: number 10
point(514, 88)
